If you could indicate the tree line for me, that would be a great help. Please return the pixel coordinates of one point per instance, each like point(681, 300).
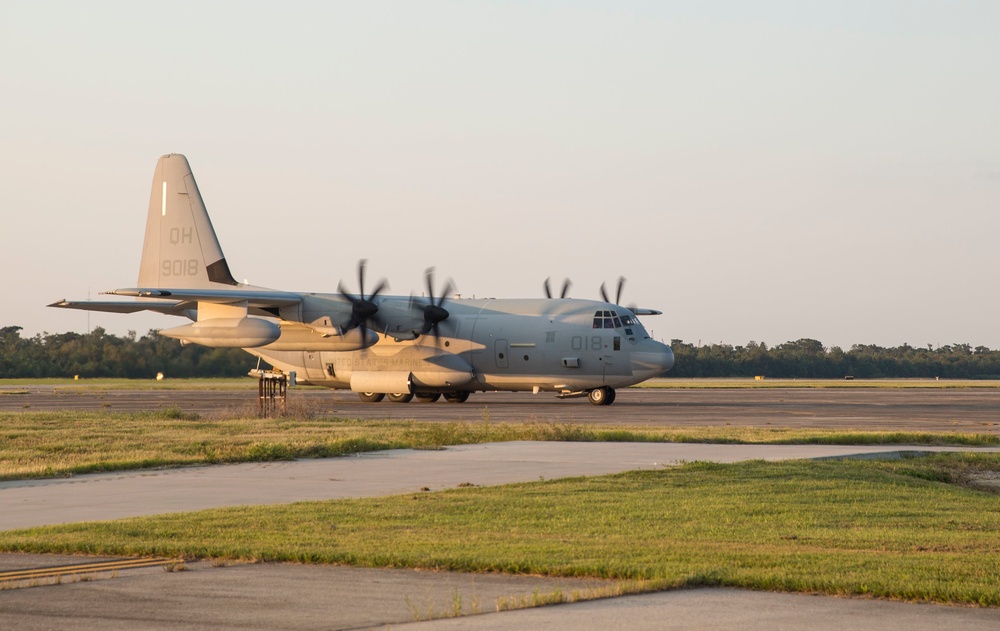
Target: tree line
point(99, 354)
point(809, 359)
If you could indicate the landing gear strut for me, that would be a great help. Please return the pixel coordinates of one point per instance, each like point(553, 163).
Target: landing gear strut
point(602, 396)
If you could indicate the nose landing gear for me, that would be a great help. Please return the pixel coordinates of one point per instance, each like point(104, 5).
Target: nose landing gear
point(602, 396)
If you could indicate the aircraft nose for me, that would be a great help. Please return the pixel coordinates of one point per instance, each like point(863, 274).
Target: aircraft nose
point(652, 358)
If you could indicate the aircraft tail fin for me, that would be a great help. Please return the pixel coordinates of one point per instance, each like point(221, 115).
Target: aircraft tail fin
point(180, 248)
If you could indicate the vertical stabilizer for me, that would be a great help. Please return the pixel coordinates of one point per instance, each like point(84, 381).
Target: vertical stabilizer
point(180, 249)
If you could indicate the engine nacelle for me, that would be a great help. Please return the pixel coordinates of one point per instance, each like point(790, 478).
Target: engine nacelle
point(296, 336)
point(227, 332)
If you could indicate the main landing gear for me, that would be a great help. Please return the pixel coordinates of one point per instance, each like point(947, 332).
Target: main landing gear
point(422, 397)
point(602, 396)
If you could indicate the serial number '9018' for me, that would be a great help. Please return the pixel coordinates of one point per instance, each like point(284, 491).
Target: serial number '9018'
point(179, 267)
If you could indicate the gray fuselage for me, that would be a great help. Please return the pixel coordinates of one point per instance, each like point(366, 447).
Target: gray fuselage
point(561, 345)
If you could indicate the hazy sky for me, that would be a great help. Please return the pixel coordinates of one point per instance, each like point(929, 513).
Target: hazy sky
point(757, 170)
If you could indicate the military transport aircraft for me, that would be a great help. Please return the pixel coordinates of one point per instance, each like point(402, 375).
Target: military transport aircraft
point(376, 345)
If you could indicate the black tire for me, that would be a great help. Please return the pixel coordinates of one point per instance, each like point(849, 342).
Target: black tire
point(400, 397)
point(427, 397)
point(371, 397)
point(601, 396)
point(456, 397)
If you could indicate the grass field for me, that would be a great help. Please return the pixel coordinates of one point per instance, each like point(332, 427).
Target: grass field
point(50, 444)
point(914, 529)
point(910, 529)
point(132, 384)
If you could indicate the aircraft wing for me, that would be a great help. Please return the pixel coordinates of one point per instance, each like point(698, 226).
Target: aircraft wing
point(180, 301)
point(172, 307)
point(262, 298)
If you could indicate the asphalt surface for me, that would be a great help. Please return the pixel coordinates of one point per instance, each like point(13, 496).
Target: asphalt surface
point(292, 597)
point(281, 596)
point(889, 409)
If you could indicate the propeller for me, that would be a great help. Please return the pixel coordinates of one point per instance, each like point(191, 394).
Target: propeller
point(618, 295)
point(435, 313)
point(363, 309)
point(565, 288)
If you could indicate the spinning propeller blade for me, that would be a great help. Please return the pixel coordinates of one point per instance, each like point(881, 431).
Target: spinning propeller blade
point(565, 288)
point(618, 295)
point(363, 309)
point(435, 313)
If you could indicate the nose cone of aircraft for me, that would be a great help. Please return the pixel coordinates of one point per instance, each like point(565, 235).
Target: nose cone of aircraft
point(651, 358)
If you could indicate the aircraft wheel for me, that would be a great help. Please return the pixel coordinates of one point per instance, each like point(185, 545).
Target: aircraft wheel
point(371, 397)
point(456, 397)
point(400, 397)
point(427, 397)
point(601, 396)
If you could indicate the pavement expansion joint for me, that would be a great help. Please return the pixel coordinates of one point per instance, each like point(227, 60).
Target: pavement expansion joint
point(32, 576)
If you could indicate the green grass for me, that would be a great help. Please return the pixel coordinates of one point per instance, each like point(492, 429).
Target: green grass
point(50, 444)
point(909, 529)
point(237, 383)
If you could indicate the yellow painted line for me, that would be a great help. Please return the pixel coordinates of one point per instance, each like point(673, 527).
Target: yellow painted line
point(82, 568)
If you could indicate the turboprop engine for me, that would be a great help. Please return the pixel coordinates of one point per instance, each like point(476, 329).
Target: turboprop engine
point(227, 332)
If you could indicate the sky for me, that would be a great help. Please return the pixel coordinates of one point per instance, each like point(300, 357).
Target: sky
point(759, 171)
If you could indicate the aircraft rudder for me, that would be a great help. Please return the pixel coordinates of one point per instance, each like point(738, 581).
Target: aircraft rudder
point(180, 248)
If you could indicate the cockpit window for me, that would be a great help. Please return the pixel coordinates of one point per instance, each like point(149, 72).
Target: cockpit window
point(612, 320)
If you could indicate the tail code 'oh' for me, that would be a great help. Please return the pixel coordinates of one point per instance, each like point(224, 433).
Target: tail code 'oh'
point(180, 248)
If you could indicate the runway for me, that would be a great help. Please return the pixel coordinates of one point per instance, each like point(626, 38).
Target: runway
point(885, 409)
point(280, 596)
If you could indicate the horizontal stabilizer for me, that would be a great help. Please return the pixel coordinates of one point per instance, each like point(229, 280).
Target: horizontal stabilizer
point(172, 307)
point(254, 297)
